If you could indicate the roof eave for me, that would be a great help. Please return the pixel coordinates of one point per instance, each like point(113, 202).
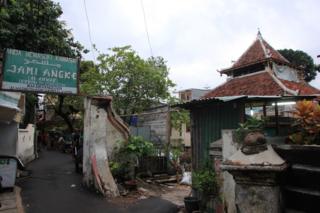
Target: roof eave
point(228, 70)
point(247, 99)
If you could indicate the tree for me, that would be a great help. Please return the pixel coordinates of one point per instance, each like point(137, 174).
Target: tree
point(34, 25)
point(90, 78)
point(302, 60)
point(134, 83)
point(67, 107)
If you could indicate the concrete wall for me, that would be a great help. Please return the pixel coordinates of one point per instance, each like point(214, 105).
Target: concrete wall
point(25, 145)
point(192, 94)
point(154, 125)
point(229, 147)
point(8, 138)
point(157, 119)
point(198, 93)
point(102, 130)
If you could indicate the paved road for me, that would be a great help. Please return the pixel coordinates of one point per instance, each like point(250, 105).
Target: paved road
point(49, 190)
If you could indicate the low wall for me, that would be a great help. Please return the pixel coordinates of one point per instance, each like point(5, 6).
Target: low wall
point(229, 147)
point(25, 144)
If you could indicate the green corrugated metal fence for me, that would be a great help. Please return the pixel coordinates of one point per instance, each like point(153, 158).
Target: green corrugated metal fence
point(206, 125)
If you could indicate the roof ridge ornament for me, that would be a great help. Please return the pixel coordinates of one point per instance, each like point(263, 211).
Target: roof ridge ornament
point(265, 50)
point(259, 36)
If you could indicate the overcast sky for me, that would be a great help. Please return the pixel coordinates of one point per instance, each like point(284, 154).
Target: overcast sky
point(196, 37)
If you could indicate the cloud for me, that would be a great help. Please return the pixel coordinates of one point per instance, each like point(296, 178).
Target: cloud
point(196, 37)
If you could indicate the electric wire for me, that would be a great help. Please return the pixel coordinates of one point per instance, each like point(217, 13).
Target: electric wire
point(89, 29)
point(146, 27)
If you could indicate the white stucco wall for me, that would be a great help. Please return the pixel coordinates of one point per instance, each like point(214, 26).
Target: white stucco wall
point(229, 147)
point(25, 144)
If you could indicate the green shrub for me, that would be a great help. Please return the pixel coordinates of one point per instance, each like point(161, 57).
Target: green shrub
point(204, 180)
point(139, 147)
point(126, 157)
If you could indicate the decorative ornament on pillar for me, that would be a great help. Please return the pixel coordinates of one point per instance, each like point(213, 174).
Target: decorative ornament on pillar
point(254, 143)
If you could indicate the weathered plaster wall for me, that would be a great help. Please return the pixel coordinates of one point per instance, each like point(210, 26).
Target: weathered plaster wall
point(157, 119)
point(257, 198)
point(113, 136)
point(8, 138)
point(25, 146)
point(229, 147)
point(102, 130)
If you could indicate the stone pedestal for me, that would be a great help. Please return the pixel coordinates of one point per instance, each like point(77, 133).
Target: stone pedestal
point(256, 177)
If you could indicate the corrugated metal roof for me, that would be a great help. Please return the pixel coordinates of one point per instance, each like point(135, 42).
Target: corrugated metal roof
point(246, 98)
point(10, 100)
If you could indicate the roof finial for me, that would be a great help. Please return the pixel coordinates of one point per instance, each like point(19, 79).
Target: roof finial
point(259, 34)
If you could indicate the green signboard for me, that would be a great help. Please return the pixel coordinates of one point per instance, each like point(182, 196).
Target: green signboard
point(29, 71)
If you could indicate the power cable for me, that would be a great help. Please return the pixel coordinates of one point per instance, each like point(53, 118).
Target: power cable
point(89, 29)
point(146, 27)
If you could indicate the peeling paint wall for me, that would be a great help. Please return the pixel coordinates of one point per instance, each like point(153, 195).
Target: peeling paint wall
point(25, 145)
point(102, 130)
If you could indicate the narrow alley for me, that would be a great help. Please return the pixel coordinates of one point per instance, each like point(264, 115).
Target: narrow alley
point(54, 186)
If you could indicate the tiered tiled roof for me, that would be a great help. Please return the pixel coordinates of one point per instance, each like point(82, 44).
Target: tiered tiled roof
point(261, 84)
point(259, 51)
point(302, 87)
point(255, 84)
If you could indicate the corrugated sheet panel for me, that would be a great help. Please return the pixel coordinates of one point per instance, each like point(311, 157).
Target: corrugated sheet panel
point(207, 123)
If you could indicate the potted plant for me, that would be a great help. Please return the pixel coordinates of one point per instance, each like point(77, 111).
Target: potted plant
point(250, 135)
point(204, 181)
point(302, 143)
point(191, 204)
point(125, 159)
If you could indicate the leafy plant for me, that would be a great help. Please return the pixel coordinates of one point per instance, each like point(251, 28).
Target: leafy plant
point(307, 123)
point(175, 152)
point(139, 147)
point(114, 166)
point(126, 157)
point(179, 117)
point(204, 180)
point(251, 124)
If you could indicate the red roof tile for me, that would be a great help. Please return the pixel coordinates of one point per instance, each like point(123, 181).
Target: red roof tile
point(261, 84)
point(256, 53)
point(259, 51)
point(304, 88)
